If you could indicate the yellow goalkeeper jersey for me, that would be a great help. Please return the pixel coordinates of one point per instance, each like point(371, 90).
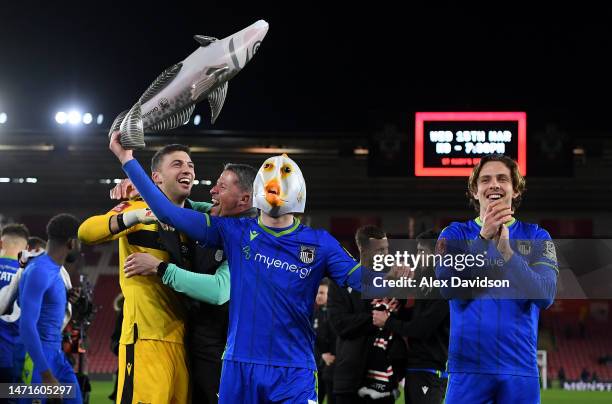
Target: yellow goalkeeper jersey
point(156, 310)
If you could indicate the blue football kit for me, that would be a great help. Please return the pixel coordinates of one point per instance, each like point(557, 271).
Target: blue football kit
point(9, 325)
point(493, 341)
point(42, 296)
point(274, 274)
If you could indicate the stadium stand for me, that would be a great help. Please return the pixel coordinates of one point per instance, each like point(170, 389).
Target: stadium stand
point(100, 357)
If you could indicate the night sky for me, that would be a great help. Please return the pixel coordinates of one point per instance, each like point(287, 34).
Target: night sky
point(319, 68)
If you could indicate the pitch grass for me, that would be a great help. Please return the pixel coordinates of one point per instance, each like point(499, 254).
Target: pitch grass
point(101, 389)
point(558, 396)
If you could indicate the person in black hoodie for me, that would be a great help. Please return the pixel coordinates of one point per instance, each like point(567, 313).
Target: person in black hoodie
point(351, 319)
point(325, 345)
point(426, 327)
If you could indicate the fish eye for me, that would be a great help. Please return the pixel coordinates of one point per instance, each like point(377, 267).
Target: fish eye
point(268, 166)
point(286, 170)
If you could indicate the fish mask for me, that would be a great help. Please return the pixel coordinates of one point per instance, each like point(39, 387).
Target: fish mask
point(279, 187)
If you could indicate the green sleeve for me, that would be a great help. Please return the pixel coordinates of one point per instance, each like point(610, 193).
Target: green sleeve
point(212, 289)
point(203, 207)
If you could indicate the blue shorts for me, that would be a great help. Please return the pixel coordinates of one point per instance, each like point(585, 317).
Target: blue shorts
point(249, 383)
point(61, 369)
point(476, 388)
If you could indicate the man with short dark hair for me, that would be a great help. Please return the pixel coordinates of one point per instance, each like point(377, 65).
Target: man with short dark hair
point(371, 240)
point(42, 296)
point(276, 265)
point(158, 157)
point(492, 351)
point(207, 282)
point(36, 244)
point(426, 326)
point(356, 378)
point(13, 239)
point(152, 358)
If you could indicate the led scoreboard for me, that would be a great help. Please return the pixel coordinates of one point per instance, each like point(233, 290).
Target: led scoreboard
point(452, 143)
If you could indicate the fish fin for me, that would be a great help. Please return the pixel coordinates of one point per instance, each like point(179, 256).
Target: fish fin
point(208, 79)
point(160, 82)
point(204, 40)
point(117, 122)
point(132, 133)
point(173, 121)
point(216, 99)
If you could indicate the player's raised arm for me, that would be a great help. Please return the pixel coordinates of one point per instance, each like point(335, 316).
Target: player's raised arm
point(196, 225)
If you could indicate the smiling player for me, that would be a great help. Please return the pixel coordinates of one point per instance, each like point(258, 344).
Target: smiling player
point(493, 342)
point(276, 265)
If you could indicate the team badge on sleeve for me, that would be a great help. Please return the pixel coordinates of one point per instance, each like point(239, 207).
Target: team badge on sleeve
point(524, 247)
point(307, 254)
point(549, 251)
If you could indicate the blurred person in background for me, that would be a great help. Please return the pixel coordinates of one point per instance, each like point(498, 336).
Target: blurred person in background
point(364, 353)
point(325, 345)
point(43, 299)
point(13, 239)
point(426, 327)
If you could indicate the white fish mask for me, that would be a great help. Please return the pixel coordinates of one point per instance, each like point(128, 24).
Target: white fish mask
point(279, 187)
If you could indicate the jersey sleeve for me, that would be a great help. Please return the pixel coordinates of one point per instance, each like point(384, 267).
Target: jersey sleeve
point(212, 289)
point(448, 243)
point(9, 293)
point(198, 226)
point(535, 277)
point(96, 229)
point(341, 266)
point(32, 291)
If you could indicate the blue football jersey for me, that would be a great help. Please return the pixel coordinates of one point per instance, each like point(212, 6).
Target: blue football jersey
point(9, 327)
point(8, 268)
point(42, 296)
point(275, 275)
point(499, 336)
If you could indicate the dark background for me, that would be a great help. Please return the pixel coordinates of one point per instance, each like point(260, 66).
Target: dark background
point(323, 65)
point(329, 77)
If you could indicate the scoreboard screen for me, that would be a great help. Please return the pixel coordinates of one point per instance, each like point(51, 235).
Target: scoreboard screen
point(452, 143)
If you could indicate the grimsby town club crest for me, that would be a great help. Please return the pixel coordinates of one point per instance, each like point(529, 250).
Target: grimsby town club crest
point(307, 254)
point(524, 246)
